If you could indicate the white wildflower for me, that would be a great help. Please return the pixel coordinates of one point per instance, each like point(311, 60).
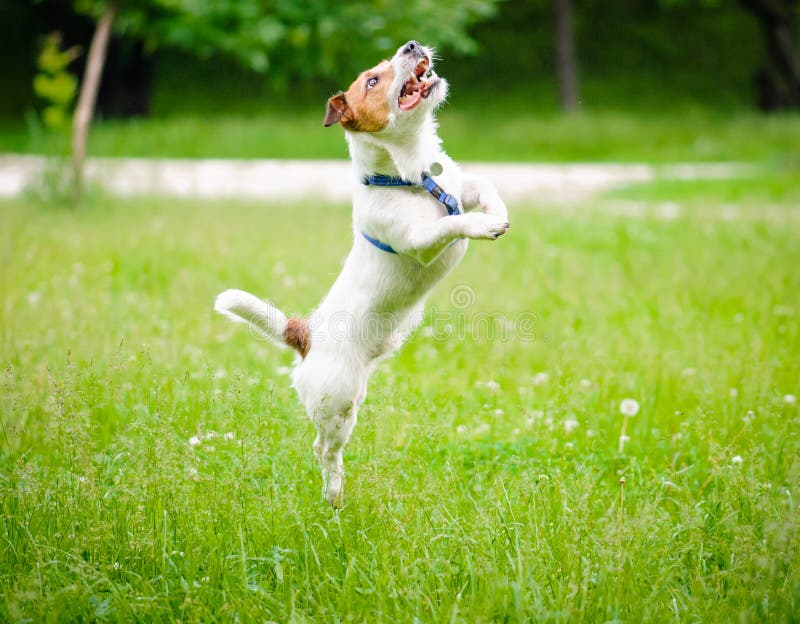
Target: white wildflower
point(569, 446)
point(498, 412)
point(195, 441)
point(483, 428)
point(492, 385)
point(230, 435)
point(570, 424)
point(789, 399)
point(461, 429)
point(586, 384)
point(629, 407)
point(733, 392)
point(539, 379)
point(736, 459)
point(34, 298)
point(220, 374)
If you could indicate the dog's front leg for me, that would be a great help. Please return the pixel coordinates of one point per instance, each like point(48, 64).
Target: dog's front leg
point(479, 193)
point(425, 241)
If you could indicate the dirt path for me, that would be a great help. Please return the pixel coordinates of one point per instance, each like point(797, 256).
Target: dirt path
point(333, 180)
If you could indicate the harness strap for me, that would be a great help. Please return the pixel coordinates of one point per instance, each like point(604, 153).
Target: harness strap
point(428, 183)
point(378, 244)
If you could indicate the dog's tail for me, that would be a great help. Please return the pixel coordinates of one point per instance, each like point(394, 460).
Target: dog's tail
point(243, 307)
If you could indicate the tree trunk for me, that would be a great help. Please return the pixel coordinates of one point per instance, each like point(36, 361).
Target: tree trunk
point(778, 19)
point(88, 96)
point(566, 59)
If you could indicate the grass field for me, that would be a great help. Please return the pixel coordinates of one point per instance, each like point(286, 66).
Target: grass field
point(485, 475)
point(472, 130)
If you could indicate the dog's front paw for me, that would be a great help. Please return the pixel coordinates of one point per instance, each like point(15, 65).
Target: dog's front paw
point(484, 226)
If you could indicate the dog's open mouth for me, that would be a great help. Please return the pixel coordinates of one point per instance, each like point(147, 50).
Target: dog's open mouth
point(418, 86)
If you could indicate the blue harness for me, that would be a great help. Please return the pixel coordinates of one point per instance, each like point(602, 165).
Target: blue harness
point(428, 183)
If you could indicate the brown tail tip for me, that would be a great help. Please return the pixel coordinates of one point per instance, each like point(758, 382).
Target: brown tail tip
point(298, 335)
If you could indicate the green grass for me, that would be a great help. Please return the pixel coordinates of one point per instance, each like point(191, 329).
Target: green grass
point(764, 187)
point(473, 130)
point(465, 503)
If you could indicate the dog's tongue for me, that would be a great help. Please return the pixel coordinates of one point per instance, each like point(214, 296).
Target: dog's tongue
point(411, 101)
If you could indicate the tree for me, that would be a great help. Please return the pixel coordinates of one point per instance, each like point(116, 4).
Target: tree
point(283, 40)
point(566, 58)
point(778, 81)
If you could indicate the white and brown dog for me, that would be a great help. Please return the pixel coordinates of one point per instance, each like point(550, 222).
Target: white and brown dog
point(408, 233)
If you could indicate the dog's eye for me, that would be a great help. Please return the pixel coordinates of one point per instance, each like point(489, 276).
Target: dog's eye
point(372, 82)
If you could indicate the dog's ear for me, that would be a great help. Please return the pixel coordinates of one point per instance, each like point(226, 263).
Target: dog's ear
point(337, 109)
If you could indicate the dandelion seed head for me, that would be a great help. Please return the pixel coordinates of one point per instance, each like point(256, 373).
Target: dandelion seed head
point(629, 407)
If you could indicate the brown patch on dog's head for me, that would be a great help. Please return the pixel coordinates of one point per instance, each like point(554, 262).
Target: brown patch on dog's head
point(364, 107)
point(298, 335)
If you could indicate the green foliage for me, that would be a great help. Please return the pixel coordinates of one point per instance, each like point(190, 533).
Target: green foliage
point(468, 502)
point(290, 41)
point(54, 83)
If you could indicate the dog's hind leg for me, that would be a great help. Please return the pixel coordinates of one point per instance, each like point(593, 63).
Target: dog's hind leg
point(334, 426)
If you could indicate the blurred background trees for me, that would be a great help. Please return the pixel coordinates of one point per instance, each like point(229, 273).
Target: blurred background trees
point(168, 57)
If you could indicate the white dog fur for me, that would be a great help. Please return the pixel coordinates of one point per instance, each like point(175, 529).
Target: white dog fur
point(378, 298)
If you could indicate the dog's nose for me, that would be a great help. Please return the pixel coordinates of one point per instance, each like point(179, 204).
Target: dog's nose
point(411, 46)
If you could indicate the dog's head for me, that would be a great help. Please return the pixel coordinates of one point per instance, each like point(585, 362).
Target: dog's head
point(394, 94)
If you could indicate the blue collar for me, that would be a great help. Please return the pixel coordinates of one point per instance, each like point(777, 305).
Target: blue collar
point(428, 183)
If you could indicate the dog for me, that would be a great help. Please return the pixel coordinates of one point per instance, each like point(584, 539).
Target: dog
point(409, 231)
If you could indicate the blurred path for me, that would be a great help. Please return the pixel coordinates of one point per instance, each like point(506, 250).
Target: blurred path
point(332, 179)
